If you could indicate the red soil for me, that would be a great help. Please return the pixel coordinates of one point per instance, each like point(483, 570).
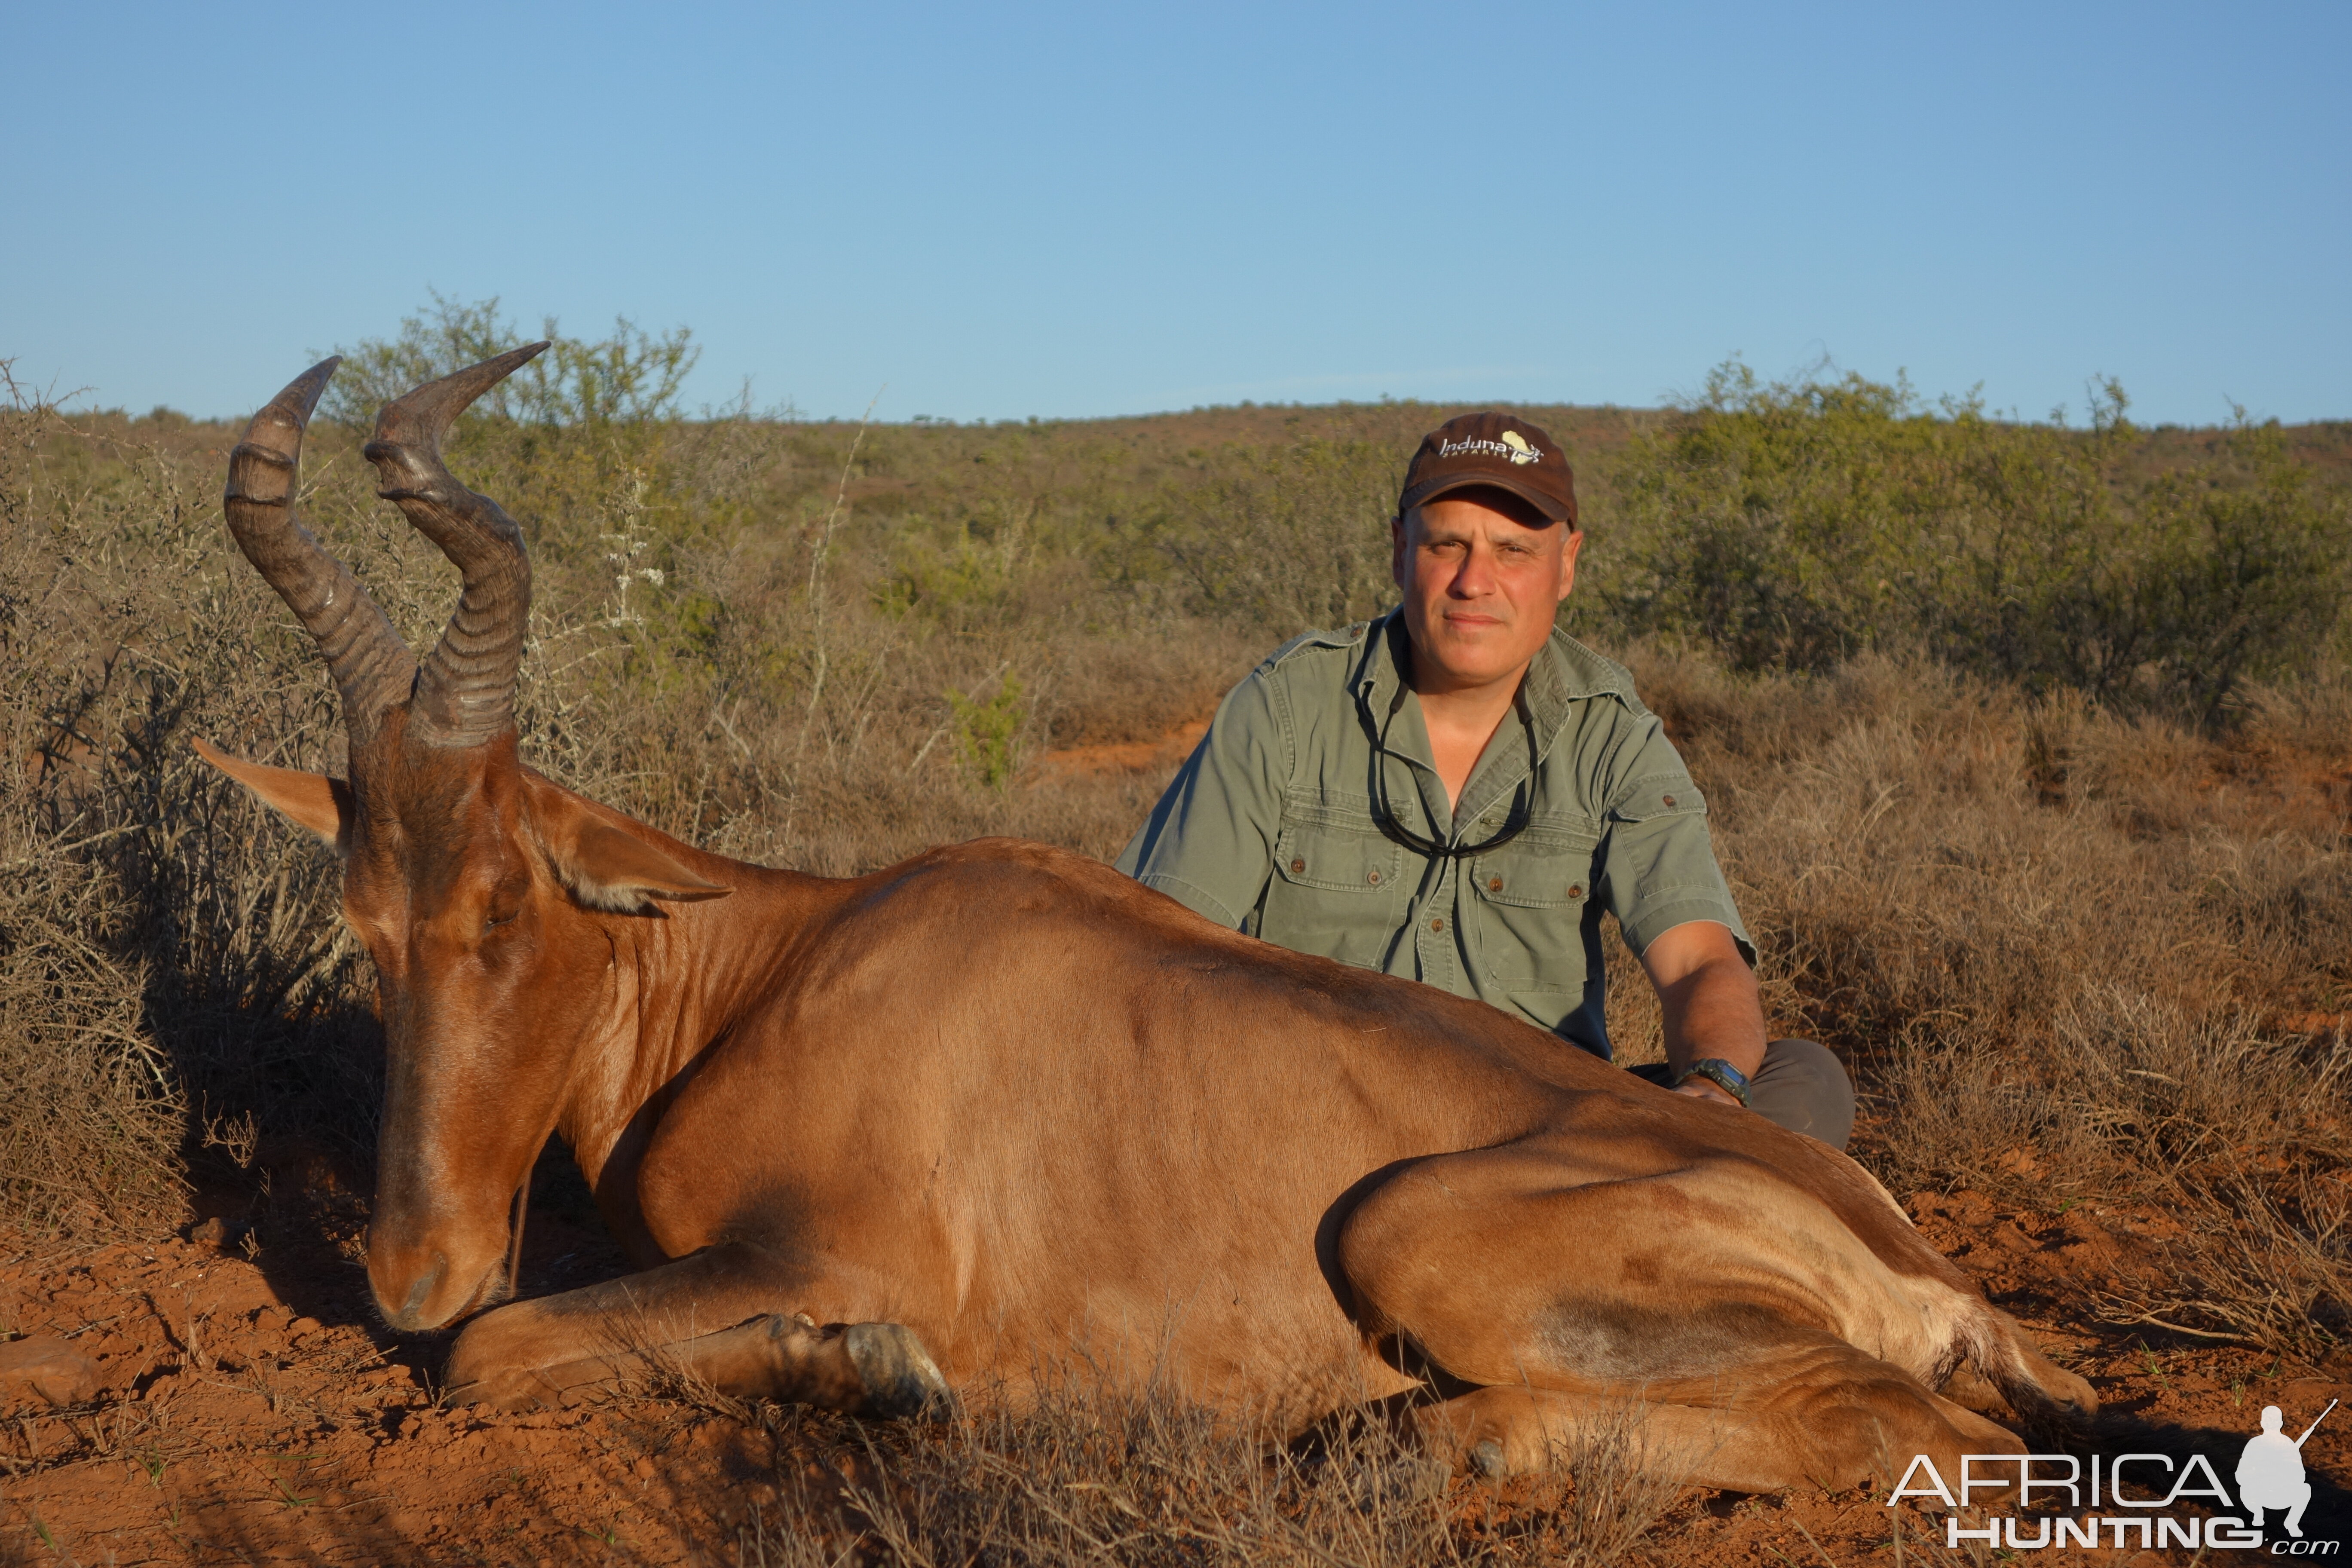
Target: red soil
point(1127, 756)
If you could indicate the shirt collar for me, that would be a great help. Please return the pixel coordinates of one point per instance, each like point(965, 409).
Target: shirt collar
point(1564, 673)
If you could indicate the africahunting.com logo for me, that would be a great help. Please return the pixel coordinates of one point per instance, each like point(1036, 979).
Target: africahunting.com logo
point(2270, 1480)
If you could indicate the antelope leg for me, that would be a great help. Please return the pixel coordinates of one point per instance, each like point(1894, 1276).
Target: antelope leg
point(719, 1318)
point(1686, 1308)
point(1849, 1421)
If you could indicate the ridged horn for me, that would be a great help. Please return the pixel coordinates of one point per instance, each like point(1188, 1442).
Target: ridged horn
point(465, 688)
point(372, 666)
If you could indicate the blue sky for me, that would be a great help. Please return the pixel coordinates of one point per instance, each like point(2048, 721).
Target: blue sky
point(1074, 211)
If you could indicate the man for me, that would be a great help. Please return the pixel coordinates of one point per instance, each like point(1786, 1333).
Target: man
point(2270, 1470)
point(1456, 791)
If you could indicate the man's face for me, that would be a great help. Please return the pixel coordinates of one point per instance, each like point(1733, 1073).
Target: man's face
point(1481, 586)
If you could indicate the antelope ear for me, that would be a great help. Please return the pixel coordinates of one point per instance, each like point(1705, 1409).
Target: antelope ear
point(319, 803)
point(609, 869)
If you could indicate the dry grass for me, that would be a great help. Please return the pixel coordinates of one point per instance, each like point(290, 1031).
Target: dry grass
point(1090, 1475)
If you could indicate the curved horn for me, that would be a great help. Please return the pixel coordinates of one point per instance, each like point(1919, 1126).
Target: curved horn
point(371, 667)
point(465, 690)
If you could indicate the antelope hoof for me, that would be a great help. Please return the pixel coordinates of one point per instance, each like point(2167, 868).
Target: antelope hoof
point(900, 1378)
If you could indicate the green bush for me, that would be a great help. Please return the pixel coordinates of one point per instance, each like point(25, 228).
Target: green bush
point(986, 732)
point(631, 377)
point(2240, 575)
point(1792, 525)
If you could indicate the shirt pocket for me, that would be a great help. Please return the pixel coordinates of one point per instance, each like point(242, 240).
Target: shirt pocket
point(1658, 846)
point(1334, 886)
point(1532, 894)
point(1665, 795)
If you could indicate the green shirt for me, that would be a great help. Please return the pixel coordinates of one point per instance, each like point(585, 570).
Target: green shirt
point(1269, 828)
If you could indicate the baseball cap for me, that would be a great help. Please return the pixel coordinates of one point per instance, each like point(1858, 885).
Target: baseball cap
point(1498, 449)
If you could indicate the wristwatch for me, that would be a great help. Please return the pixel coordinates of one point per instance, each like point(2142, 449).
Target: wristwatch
point(1718, 1072)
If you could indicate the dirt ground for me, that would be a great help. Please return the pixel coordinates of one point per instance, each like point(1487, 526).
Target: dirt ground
point(252, 1409)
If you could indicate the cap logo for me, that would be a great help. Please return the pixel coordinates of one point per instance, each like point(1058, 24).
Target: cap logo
point(1513, 445)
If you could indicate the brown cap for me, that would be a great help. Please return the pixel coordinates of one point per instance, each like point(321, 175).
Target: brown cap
point(1498, 449)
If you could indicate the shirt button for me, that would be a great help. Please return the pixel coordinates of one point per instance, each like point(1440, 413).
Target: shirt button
point(1437, 924)
point(1575, 889)
point(1493, 884)
point(1668, 799)
point(1298, 868)
point(1375, 879)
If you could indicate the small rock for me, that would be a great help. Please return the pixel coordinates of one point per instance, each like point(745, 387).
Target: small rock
point(45, 1368)
point(219, 1234)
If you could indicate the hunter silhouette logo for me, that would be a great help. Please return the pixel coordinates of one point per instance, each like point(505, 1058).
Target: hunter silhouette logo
point(2270, 1478)
point(2270, 1471)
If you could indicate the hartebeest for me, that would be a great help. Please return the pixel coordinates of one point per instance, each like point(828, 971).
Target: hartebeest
point(871, 1140)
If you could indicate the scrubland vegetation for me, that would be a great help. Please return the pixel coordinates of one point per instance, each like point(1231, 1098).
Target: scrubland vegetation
point(2029, 748)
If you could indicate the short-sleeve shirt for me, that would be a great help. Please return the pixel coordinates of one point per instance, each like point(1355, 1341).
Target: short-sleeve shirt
point(1269, 828)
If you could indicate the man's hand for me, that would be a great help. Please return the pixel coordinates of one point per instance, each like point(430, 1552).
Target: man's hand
point(1707, 995)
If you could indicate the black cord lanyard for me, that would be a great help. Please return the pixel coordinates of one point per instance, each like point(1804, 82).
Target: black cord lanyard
point(1384, 814)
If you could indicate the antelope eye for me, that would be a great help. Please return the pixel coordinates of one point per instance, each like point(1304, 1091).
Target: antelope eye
point(494, 921)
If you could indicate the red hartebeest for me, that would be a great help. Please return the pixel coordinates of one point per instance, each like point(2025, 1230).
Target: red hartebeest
point(870, 1141)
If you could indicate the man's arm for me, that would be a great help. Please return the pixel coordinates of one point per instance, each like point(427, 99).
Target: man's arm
point(1671, 901)
point(1709, 996)
point(1209, 844)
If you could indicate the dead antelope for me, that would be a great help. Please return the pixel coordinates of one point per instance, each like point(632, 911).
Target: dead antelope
point(872, 1140)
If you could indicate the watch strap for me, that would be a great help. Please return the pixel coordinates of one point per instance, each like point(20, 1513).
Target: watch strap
point(1718, 1072)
